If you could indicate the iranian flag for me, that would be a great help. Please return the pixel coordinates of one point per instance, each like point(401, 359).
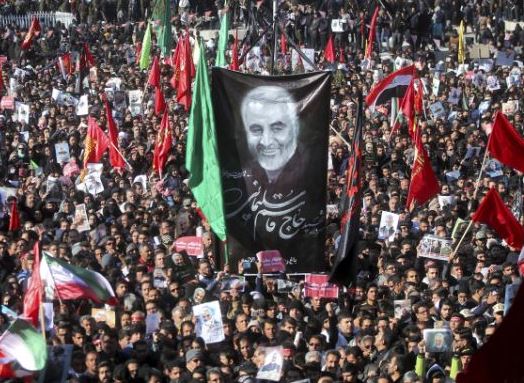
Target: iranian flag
point(72, 282)
point(23, 344)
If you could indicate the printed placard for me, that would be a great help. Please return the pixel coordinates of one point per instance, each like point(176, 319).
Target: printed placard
point(62, 152)
point(317, 285)
point(402, 308)
point(104, 315)
point(209, 322)
point(438, 340)
point(8, 102)
point(437, 110)
point(192, 245)
point(435, 247)
point(271, 261)
point(81, 220)
point(388, 226)
point(273, 362)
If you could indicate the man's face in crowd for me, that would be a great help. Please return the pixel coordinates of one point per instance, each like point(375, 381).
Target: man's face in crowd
point(246, 349)
point(269, 330)
point(91, 362)
point(104, 374)
point(241, 323)
point(204, 268)
point(78, 339)
point(175, 374)
point(271, 126)
point(290, 328)
point(345, 326)
point(331, 363)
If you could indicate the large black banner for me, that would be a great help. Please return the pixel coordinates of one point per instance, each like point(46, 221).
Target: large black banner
point(272, 138)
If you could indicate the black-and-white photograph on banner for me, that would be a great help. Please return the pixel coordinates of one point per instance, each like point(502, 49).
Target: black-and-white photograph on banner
point(273, 362)
point(438, 339)
point(388, 226)
point(273, 137)
point(435, 247)
point(446, 201)
point(209, 322)
point(402, 308)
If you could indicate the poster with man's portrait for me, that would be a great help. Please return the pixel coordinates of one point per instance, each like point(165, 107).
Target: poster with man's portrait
point(388, 226)
point(438, 339)
point(435, 247)
point(209, 324)
point(273, 363)
point(272, 137)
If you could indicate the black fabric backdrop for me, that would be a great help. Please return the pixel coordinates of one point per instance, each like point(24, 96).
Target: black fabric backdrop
point(286, 213)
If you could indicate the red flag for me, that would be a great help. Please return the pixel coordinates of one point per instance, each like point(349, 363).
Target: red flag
point(115, 158)
point(33, 294)
point(186, 71)
point(505, 144)
point(283, 44)
point(31, 33)
point(1, 82)
point(234, 54)
point(14, 217)
point(160, 102)
point(329, 51)
point(345, 268)
point(496, 215)
point(174, 62)
point(65, 65)
point(394, 85)
point(154, 74)
point(407, 111)
point(341, 56)
point(164, 141)
point(500, 359)
point(419, 96)
point(88, 57)
point(138, 51)
point(372, 32)
point(96, 142)
point(424, 183)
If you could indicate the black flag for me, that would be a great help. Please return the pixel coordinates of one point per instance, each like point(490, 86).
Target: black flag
point(273, 142)
point(345, 268)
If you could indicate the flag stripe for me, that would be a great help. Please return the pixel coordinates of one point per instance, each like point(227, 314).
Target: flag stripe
point(202, 153)
point(23, 343)
point(73, 282)
point(394, 85)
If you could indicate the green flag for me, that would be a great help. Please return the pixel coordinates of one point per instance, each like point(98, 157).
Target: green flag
point(202, 153)
point(165, 40)
point(145, 53)
point(24, 344)
point(159, 8)
point(223, 37)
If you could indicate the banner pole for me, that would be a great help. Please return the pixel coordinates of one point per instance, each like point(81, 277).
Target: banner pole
point(340, 136)
point(477, 184)
point(274, 57)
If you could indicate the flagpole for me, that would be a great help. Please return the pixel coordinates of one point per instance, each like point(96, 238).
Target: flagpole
point(340, 136)
point(42, 316)
point(121, 155)
point(474, 197)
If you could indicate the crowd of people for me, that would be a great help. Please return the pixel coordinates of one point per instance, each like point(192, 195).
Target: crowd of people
point(135, 216)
